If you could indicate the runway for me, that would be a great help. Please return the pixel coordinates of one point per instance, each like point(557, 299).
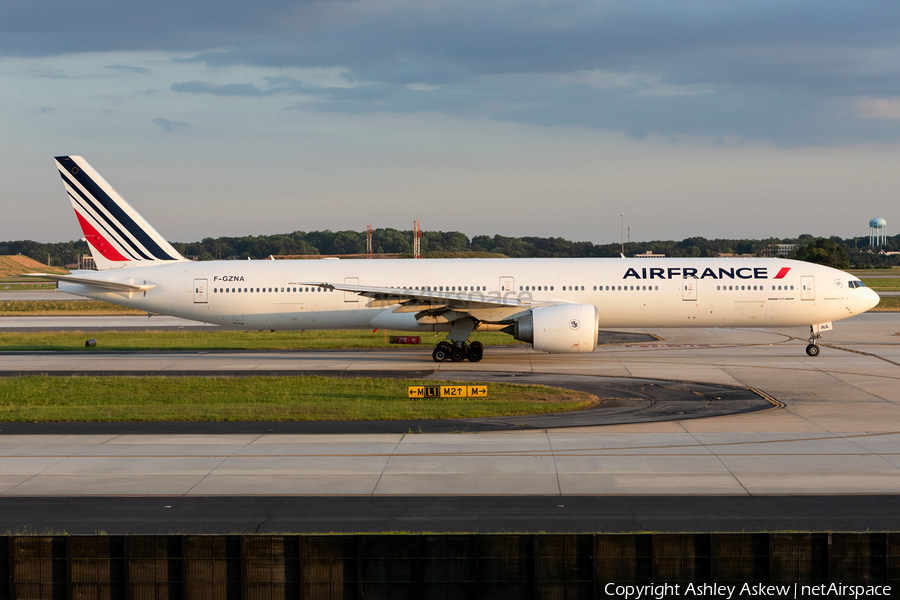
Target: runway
point(838, 434)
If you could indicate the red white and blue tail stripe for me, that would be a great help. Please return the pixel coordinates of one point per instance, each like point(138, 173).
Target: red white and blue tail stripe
point(117, 235)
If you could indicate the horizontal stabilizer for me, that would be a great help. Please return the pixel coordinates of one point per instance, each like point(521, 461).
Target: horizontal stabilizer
point(116, 286)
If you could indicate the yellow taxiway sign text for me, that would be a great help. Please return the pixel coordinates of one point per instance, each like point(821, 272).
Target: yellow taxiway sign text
point(447, 391)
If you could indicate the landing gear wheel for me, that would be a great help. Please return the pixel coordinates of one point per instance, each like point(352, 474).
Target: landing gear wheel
point(441, 353)
point(476, 352)
point(812, 350)
point(458, 353)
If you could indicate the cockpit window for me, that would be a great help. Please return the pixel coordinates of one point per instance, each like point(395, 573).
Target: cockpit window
point(857, 284)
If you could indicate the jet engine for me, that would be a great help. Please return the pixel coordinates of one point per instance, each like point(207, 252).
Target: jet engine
point(562, 328)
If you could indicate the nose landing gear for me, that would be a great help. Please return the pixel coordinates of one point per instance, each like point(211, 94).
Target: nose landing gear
point(813, 349)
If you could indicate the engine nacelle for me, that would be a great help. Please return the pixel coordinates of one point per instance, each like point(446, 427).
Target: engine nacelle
point(563, 328)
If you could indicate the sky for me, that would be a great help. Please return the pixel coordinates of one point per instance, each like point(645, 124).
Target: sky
point(740, 119)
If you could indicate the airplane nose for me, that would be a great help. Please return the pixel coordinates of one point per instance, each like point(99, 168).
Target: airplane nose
point(873, 298)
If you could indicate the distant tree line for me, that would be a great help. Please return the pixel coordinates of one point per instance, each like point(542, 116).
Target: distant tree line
point(833, 251)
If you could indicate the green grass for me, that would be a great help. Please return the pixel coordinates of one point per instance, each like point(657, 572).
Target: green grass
point(39, 308)
point(17, 285)
point(888, 304)
point(884, 284)
point(43, 399)
point(221, 340)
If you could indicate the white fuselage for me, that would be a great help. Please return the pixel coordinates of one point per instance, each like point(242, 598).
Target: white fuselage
point(628, 292)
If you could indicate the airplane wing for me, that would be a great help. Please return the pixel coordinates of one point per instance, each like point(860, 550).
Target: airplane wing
point(115, 286)
point(428, 300)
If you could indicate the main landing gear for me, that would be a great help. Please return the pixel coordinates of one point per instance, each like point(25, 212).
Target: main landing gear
point(458, 352)
point(460, 349)
point(813, 349)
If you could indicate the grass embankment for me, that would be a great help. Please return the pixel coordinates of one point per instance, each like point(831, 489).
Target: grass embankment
point(43, 399)
point(220, 340)
point(14, 265)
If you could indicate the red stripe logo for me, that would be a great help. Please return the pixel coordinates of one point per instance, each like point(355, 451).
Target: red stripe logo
point(98, 241)
point(782, 273)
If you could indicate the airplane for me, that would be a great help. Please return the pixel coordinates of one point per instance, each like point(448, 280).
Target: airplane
point(557, 305)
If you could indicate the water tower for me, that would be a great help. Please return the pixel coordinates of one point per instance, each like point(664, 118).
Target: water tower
point(877, 232)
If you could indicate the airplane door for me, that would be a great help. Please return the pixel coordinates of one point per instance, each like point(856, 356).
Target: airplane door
point(351, 296)
point(507, 284)
point(689, 288)
point(199, 291)
point(808, 288)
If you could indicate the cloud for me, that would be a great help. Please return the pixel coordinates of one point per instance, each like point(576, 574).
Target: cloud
point(643, 84)
point(878, 108)
point(171, 126)
point(751, 69)
point(141, 70)
point(422, 87)
point(219, 89)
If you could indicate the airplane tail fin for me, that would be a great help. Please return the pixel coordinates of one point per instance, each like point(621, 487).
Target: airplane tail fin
point(117, 235)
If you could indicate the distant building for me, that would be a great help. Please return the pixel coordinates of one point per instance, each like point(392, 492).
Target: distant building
point(733, 255)
point(86, 262)
point(780, 249)
point(649, 254)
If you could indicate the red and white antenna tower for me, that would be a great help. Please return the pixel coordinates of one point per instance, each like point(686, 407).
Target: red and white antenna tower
point(417, 233)
point(369, 242)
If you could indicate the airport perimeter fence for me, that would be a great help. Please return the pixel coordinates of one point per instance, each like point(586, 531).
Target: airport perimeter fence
point(396, 567)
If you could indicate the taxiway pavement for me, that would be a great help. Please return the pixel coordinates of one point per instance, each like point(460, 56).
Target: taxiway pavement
point(838, 434)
